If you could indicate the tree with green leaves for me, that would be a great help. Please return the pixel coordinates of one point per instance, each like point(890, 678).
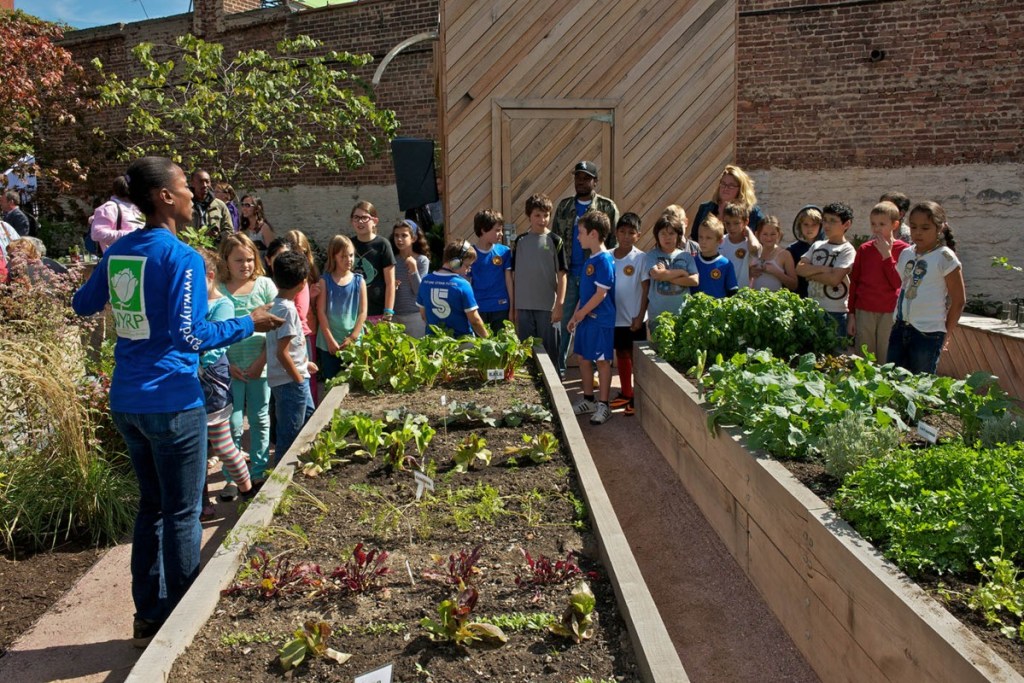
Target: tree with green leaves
point(252, 116)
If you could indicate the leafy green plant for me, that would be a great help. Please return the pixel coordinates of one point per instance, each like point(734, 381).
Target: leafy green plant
point(197, 238)
point(853, 440)
point(412, 428)
point(1007, 428)
point(782, 322)
point(309, 641)
point(472, 448)
point(468, 506)
point(454, 625)
point(526, 412)
point(520, 621)
point(502, 351)
point(369, 432)
point(245, 638)
point(939, 508)
point(999, 596)
point(470, 412)
point(539, 449)
point(387, 359)
point(577, 622)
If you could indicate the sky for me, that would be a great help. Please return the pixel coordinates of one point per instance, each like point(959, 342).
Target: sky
point(89, 13)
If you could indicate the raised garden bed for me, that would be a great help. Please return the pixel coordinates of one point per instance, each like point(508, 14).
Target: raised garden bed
point(852, 614)
point(242, 637)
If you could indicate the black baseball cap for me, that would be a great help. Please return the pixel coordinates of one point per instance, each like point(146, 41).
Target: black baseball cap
point(587, 167)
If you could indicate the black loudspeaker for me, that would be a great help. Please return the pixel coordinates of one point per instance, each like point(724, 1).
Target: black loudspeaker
point(414, 172)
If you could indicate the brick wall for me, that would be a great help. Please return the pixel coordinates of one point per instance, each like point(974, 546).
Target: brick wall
point(948, 91)
point(370, 26)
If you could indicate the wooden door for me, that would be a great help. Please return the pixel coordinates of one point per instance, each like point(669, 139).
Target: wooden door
point(536, 144)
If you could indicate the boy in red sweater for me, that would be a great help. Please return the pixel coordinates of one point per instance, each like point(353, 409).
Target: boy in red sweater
point(875, 283)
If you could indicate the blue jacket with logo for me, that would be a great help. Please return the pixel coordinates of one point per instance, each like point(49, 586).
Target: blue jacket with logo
point(156, 287)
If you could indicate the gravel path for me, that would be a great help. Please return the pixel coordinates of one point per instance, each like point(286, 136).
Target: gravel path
point(722, 629)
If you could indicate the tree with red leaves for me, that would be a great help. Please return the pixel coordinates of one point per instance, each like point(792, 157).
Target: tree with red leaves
point(41, 99)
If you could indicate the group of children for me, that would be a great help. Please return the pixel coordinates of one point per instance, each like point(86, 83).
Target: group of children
point(898, 300)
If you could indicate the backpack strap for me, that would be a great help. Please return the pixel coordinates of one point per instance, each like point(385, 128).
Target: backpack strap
point(117, 224)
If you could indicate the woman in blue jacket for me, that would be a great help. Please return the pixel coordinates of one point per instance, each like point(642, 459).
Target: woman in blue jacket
point(156, 287)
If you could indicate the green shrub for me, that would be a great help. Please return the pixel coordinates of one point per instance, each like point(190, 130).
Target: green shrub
point(1007, 428)
point(60, 236)
point(940, 508)
point(781, 322)
point(849, 443)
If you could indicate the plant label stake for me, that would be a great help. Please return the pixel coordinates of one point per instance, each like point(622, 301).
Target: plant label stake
point(422, 481)
point(381, 675)
point(495, 375)
point(444, 411)
point(930, 434)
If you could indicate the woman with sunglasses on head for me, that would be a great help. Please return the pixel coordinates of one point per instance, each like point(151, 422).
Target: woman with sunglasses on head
point(254, 223)
point(734, 187)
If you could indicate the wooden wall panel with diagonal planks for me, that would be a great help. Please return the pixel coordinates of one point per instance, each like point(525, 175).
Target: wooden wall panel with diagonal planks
point(646, 89)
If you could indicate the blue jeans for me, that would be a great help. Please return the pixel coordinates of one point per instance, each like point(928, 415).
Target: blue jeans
point(294, 407)
point(572, 297)
point(914, 350)
point(252, 399)
point(168, 452)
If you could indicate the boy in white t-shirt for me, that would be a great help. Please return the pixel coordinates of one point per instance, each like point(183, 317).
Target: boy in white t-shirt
point(631, 283)
point(288, 366)
point(827, 264)
point(740, 245)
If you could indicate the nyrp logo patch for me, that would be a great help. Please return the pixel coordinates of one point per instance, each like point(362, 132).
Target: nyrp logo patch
point(628, 271)
point(716, 274)
point(125, 280)
point(740, 253)
point(590, 269)
point(496, 260)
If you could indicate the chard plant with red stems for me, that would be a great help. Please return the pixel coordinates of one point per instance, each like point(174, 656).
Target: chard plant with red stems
point(270, 577)
point(461, 567)
point(544, 572)
point(363, 571)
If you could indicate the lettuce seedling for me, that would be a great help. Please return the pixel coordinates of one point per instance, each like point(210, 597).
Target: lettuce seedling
point(454, 624)
point(539, 449)
point(472, 448)
point(309, 641)
point(577, 622)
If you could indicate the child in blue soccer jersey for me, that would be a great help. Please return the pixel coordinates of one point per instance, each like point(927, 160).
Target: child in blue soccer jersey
point(593, 323)
point(491, 272)
point(717, 276)
point(445, 297)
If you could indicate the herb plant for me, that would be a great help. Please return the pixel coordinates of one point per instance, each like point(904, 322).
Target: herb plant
point(939, 508)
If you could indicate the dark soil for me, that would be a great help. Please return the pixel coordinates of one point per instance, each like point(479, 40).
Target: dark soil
point(540, 514)
point(32, 583)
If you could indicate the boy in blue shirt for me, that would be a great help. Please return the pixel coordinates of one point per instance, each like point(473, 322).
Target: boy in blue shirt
point(491, 272)
point(593, 323)
point(716, 273)
point(445, 297)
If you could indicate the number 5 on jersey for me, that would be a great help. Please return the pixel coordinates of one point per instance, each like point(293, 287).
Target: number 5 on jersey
point(439, 303)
